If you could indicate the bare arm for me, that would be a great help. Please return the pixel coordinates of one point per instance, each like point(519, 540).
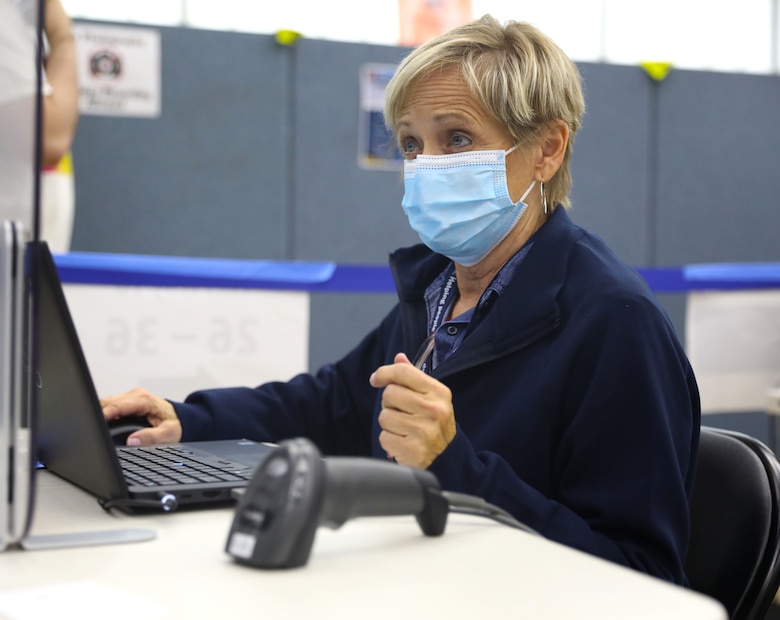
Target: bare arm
point(60, 108)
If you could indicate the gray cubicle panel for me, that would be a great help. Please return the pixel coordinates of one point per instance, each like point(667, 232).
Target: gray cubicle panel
point(342, 212)
point(717, 183)
point(611, 193)
point(718, 163)
point(206, 178)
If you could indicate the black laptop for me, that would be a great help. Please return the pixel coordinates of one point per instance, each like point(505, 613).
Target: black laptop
point(73, 439)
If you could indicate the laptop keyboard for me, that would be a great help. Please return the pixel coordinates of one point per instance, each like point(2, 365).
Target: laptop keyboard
point(171, 465)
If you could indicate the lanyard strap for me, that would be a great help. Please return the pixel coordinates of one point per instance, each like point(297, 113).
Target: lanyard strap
point(426, 349)
point(444, 302)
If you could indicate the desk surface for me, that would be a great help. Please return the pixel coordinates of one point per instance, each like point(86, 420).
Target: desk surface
point(372, 567)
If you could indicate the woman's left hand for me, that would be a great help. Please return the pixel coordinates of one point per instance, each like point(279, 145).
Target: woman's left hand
point(417, 417)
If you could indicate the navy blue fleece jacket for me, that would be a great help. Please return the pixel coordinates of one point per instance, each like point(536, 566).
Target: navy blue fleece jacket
point(577, 410)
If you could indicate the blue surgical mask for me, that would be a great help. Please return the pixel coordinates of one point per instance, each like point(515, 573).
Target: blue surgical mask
point(459, 204)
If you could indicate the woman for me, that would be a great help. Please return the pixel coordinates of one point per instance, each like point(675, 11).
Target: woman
point(18, 43)
point(60, 120)
point(553, 386)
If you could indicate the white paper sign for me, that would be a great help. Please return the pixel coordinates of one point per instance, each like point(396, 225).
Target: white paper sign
point(118, 70)
point(174, 340)
point(733, 342)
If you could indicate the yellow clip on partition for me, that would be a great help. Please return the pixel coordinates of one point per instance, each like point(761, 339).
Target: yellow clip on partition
point(657, 70)
point(287, 37)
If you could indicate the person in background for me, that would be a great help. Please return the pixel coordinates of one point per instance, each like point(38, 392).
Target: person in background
point(524, 362)
point(60, 120)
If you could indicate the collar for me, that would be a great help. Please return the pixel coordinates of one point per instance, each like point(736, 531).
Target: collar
point(528, 302)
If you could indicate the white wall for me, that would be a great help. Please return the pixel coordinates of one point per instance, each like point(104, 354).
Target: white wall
point(692, 34)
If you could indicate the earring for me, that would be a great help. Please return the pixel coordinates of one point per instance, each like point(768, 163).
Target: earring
point(544, 198)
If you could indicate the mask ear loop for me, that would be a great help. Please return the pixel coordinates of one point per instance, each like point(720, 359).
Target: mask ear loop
point(544, 198)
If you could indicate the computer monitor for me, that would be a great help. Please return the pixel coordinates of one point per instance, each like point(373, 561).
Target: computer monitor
point(21, 101)
point(21, 79)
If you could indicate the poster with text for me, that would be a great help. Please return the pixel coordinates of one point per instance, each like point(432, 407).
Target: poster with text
point(118, 70)
point(377, 149)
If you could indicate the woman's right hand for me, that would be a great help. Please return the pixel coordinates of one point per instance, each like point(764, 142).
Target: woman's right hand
point(165, 425)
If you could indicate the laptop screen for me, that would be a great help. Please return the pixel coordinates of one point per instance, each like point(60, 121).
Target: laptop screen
point(72, 438)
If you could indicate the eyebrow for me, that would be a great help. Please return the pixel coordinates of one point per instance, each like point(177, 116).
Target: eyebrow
point(442, 117)
point(447, 116)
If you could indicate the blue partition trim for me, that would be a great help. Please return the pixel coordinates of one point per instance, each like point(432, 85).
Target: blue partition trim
point(664, 279)
point(326, 277)
point(712, 277)
point(733, 275)
point(137, 269)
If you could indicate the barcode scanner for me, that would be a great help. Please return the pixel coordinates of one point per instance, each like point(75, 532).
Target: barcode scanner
point(295, 490)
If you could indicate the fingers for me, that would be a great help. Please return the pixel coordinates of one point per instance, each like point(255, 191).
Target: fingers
point(400, 371)
point(165, 424)
point(167, 432)
point(417, 417)
point(138, 402)
point(417, 449)
point(400, 358)
point(408, 419)
point(134, 402)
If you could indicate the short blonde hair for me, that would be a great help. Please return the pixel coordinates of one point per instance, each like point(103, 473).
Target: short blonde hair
point(518, 74)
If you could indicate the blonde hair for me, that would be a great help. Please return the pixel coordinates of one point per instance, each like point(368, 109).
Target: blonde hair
point(518, 74)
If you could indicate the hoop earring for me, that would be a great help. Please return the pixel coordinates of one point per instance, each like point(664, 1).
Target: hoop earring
point(544, 199)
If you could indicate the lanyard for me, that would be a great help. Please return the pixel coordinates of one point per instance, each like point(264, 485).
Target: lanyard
point(421, 359)
point(444, 302)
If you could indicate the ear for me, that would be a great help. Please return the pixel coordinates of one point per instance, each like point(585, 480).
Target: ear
point(552, 148)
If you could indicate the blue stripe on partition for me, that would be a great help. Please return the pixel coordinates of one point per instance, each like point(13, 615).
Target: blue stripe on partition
point(732, 276)
point(359, 279)
point(140, 270)
point(326, 277)
point(712, 277)
point(664, 279)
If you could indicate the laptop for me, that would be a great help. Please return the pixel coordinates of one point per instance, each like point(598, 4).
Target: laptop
point(73, 438)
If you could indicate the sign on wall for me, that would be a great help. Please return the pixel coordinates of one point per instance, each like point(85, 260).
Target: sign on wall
point(377, 149)
point(119, 70)
point(175, 340)
point(733, 343)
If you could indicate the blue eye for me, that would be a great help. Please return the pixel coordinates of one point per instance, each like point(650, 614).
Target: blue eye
point(408, 146)
point(459, 140)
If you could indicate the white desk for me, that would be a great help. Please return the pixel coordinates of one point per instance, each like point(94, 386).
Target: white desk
point(370, 568)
